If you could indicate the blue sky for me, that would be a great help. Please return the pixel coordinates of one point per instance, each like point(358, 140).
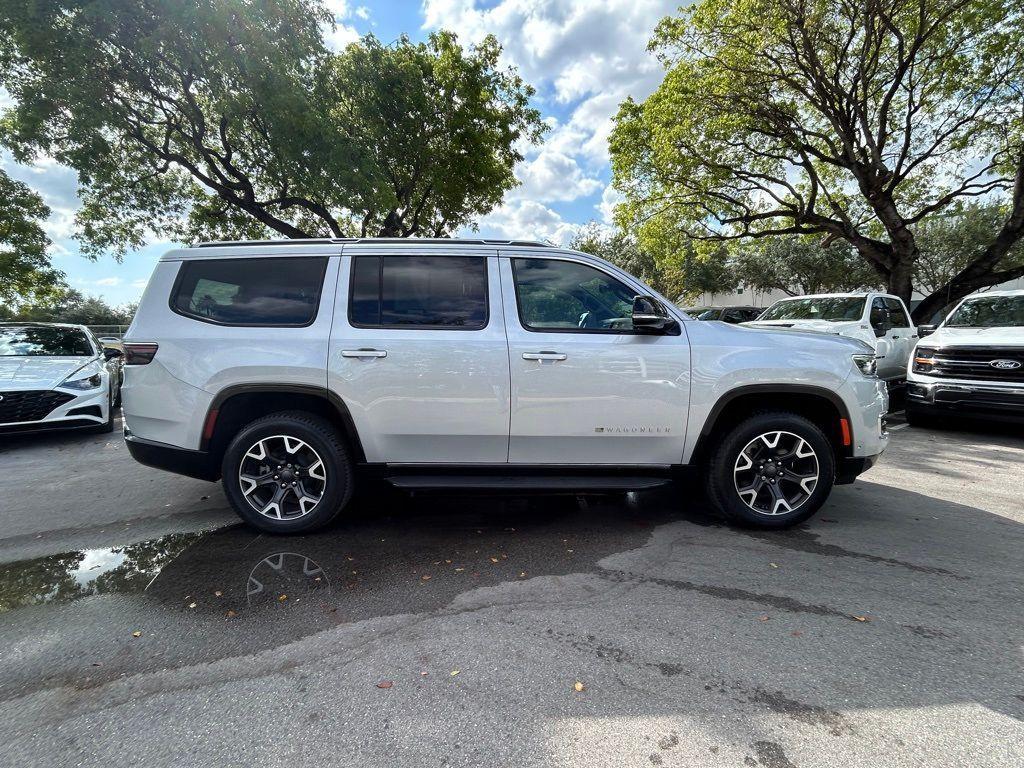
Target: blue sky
point(583, 57)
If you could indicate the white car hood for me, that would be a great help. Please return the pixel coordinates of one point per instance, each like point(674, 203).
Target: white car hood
point(30, 372)
point(822, 326)
point(975, 337)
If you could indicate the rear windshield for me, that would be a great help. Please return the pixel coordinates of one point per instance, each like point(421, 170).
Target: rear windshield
point(989, 312)
point(44, 342)
point(831, 308)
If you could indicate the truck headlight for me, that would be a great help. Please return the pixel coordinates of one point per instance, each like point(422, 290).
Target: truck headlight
point(924, 360)
point(83, 384)
point(866, 364)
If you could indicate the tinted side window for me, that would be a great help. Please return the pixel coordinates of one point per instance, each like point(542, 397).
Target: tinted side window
point(563, 295)
point(274, 291)
point(879, 314)
point(897, 315)
point(419, 291)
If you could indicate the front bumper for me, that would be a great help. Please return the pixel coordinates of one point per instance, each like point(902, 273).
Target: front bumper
point(77, 410)
point(850, 467)
point(966, 398)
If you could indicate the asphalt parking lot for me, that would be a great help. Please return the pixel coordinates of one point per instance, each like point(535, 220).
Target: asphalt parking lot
point(142, 625)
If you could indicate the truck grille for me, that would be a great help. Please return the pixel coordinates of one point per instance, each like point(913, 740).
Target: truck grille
point(31, 405)
point(976, 363)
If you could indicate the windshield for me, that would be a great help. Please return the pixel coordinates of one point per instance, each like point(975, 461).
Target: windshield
point(832, 308)
point(42, 342)
point(989, 312)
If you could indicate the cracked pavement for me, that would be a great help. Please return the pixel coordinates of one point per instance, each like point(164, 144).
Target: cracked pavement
point(889, 630)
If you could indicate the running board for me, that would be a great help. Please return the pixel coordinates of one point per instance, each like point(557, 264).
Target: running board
point(578, 483)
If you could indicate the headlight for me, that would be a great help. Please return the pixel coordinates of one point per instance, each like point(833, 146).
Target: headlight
point(866, 364)
point(84, 384)
point(924, 360)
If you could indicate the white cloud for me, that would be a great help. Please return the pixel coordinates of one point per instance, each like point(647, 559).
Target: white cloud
point(609, 199)
point(591, 53)
point(108, 282)
point(552, 175)
point(526, 220)
point(342, 34)
point(362, 12)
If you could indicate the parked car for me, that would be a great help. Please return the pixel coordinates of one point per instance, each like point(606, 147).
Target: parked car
point(973, 363)
point(725, 314)
point(56, 377)
point(290, 370)
point(878, 319)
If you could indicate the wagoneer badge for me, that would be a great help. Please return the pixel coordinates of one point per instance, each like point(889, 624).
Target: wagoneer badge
point(1006, 365)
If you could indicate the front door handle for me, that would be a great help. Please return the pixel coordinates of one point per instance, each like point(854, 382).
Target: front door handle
point(895, 337)
point(543, 356)
point(364, 353)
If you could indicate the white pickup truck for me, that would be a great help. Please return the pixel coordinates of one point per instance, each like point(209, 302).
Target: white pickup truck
point(880, 320)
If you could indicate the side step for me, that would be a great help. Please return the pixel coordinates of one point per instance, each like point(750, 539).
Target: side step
point(553, 483)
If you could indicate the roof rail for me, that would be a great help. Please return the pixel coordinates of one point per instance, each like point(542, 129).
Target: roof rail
point(340, 240)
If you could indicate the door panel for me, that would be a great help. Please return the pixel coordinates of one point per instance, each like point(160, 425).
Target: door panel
point(422, 394)
point(596, 394)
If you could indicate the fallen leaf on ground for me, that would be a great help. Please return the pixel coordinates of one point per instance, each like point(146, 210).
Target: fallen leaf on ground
point(385, 684)
point(282, 598)
point(862, 618)
point(494, 559)
point(773, 565)
point(425, 577)
point(136, 633)
point(231, 613)
point(455, 672)
point(459, 570)
point(218, 593)
point(579, 687)
point(191, 605)
point(763, 618)
point(522, 575)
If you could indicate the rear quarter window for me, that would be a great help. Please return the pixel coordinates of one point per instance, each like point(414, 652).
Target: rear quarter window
point(282, 291)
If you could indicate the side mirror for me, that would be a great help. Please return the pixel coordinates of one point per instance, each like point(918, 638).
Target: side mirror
point(109, 353)
point(649, 314)
point(926, 330)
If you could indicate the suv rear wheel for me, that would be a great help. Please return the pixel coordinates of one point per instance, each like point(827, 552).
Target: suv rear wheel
point(288, 472)
point(773, 470)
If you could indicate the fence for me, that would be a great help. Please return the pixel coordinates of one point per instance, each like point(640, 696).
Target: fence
point(116, 331)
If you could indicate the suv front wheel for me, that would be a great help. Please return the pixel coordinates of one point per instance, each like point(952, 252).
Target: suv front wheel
point(288, 472)
point(773, 470)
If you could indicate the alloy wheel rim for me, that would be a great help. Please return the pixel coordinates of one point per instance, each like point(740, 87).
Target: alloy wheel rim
point(282, 477)
point(776, 473)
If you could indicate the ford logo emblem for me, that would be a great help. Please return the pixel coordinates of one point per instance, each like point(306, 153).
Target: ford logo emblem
point(1006, 365)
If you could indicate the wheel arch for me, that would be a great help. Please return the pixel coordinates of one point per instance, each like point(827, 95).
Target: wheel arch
point(235, 406)
point(822, 406)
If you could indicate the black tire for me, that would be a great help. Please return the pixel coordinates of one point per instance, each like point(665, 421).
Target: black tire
point(317, 434)
point(721, 478)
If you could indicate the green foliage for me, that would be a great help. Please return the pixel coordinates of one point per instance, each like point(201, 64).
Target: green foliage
point(854, 121)
point(25, 269)
point(66, 305)
point(195, 119)
point(951, 241)
point(802, 265)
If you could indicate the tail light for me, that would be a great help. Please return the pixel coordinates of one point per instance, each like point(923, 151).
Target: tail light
point(139, 354)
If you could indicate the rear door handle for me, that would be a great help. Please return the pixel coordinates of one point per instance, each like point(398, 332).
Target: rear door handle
point(543, 356)
point(364, 353)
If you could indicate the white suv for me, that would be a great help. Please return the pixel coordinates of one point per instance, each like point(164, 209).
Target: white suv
point(290, 369)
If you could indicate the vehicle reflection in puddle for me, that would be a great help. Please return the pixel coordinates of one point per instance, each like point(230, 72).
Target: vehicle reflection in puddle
point(415, 557)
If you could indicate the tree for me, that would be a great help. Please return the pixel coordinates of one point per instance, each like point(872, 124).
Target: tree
point(852, 121)
point(681, 275)
point(66, 305)
point(229, 118)
point(25, 269)
point(801, 265)
point(949, 242)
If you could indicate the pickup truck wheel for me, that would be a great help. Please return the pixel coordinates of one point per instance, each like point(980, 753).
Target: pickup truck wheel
point(288, 472)
point(773, 470)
